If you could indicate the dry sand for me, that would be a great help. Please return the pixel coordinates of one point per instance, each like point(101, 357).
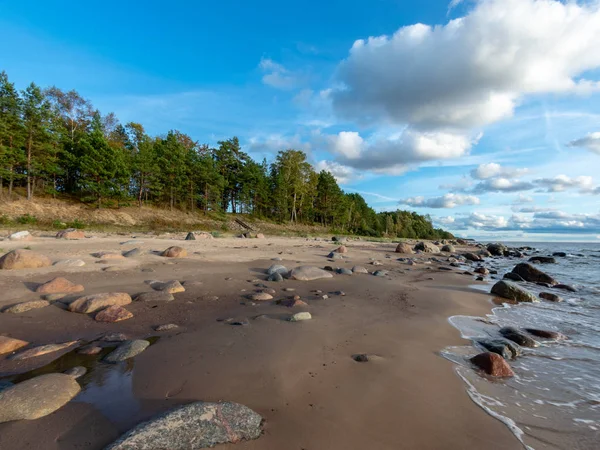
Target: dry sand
point(299, 376)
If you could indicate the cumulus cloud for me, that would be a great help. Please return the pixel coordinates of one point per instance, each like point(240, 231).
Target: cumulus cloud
point(276, 75)
point(343, 174)
point(522, 199)
point(492, 170)
point(474, 70)
point(445, 201)
point(590, 142)
point(502, 185)
point(561, 183)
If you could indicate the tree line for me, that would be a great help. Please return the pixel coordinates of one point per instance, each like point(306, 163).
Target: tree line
point(54, 142)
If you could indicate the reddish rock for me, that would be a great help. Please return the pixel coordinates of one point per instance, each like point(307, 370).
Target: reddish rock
point(59, 285)
point(260, 236)
point(493, 364)
point(9, 345)
point(404, 248)
point(96, 302)
point(26, 306)
point(113, 314)
point(341, 249)
point(24, 259)
point(71, 234)
point(545, 333)
point(175, 252)
point(482, 270)
point(293, 302)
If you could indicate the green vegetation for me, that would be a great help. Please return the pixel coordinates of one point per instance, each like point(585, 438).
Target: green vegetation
point(55, 143)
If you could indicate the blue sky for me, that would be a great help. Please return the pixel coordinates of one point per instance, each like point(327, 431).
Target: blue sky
point(483, 114)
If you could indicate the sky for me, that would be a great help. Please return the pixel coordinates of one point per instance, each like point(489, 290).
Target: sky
point(483, 114)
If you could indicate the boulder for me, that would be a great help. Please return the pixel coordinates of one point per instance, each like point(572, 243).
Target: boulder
point(37, 397)
point(513, 277)
point(126, 350)
point(543, 259)
point(341, 249)
point(448, 248)
point(71, 234)
point(403, 247)
point(155, 296)
point(546, 334)
point(9, 345)
point(261, 297)
point(194, 426)
point(359, 269)
point(532, 274)
point(277, 268)
point(565, 287)
point(551, 297)
point(59, 285)
point(299, 317)
point(96, 302)
point(76, 372)
point(113, 314)
point(426, 247)
point(172, 286)
point(472, 257)
point(496, 249)
point(504, 347)
point(20, 236)
point(190, 237)
point(26, 306)
point(482, 270)
point(484, 253)
point(380, 273)
point(24, 259)
point(344, 271)
point(275, 277)
point(41, 350)
point(132, 253)
point(309, 273)
point(519, 337)
point(493, 364)
point(175, 252)
point(511, 291)
point(70, 263)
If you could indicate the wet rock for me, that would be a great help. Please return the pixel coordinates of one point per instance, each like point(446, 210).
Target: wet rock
point(9, 345)
point(543, 259)
point(565, 287)
point(546, 285)
point(380, 273)
point(26, 306)
point(511, 291)
point(37, 397)
point(559, 254)
point(70, 263)
point(496, 249)
point(426, 247)
point(513, 277)
point(359, 269)
point(24, 259)
point(89, 350)
point(277, 268)
point(21, 236)
point(546, 334)
point(175, 252)
point(503, 347)
point(479, 279)
point(171, 287)
point(261, 297)
point(472, 257)
point(519, 337)
point(41, 350)
point(70, 234)
point(96, 302)
point(134, 252)
point(532, 274)
point(76, 372)
point(493, 364)
point(484, 253)
point(344, 271)
point(195, 426)
point(309, 273)
point(275, 277)
point(166, 327)
point(113, 314)
point(299, 317)
point(550, 297)
point(448, 248)
point(404, 248)
point(482, 270)
point(155, 296)
point(59, 285)
point(126, 350)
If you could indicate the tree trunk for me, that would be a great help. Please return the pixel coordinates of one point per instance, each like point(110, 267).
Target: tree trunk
point(29, 148)
point(141, 192)
point(10, 183)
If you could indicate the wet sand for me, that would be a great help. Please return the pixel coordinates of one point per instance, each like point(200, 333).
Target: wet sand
point(299, 376)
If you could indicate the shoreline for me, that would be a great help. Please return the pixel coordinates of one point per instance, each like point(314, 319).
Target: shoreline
point(300, 377)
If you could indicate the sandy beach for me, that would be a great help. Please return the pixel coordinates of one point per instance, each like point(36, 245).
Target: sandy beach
point(300, 377)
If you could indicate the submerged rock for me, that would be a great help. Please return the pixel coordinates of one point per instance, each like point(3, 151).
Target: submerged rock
point(511, 291)
point(559, 254)
point(565, 287)
point(493, 364)
point(76, 372)
point(24, 259)
point(37, 397)
point(126, 350)
point(551, 297)
point(195, 426)
point(545, 333)
point(519, 337)
point(309, 273)
point(532, 274)
point(543, 259)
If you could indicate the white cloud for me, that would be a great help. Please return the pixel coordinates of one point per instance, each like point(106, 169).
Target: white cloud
point(590, 142)
point(561, 183)
point(445, 201)
point(502, 185)
point(522, 199)
point(474, 70)
point(343, 174)
point(276, 75)
point(492, 170)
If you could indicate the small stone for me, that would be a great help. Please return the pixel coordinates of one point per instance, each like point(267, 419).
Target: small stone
point(482, 270)
point(309, 273)
point(26, 306)
point(89, 350)
point(9, 345)
point(166, 327)
point(380, 273)
point(344, 271)
point(76, 372)
point(550, 297)
point(132, 253)
point(341, 249)
point(127, 350)
point(113, 314)
point(261, 297)
point(493, 364)
point(325, 297)
point(175, 252)
point(70, 234)
point(59, 285)
point(70, 263)
point(114, 337)
point(172, 287)
point(361, 357)
point(546, 334)
point(21, 236)
point(155, 296)
point(298, 317)
point(359, 269)
point(41, 350)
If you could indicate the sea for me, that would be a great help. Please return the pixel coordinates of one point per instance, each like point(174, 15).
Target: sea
point(553, 402)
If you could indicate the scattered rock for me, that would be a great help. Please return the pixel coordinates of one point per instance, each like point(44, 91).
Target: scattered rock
point(190, 237)
point(496, 249)
point(309, 273)
point(277, 268)
point(175, 252)
point(298, 317)
point(89, 350)
point(550, 297)
point(37, 397)
point(493, 364)
point(24, 259)
point(59, 285)
point(127, 350)
point(114, 337)
point(41, 350)
point(479, 279)
point(564, 287)
point(472, 257)
point(155, 296)
point(134, 252)
point(426, 247)
point(404, 248)
point(519, 337)
point(71, 234)
point(96, 302)
point(70, 263)
point(76, 372)
point(559, 254)
point(543, 259)
point(261, 297)
point(511, 291)
point(482, 270)
point(260, 236)
point(380, 273)
point(344, 271)
point(532, 274)
point(172, 286)
point(448, 248)
point(26, 306)
point(341, 249)
point(293, 303)
point(108, 255)
point(359, 269)
point(21, 236)
point(376, 263)
point(166, 327)
point(275, 277)
point(513, 277)
point(362, 357)
point(113, 314)
point(9, 345)
point(54, 297)
point(504, 347)
point(194, 426)
point(545, 333)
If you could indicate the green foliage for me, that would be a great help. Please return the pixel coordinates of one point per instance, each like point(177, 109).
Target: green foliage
point(5, 220)
point(216, 234)
point(59, 225)
point(76, 224)
point(27, 219)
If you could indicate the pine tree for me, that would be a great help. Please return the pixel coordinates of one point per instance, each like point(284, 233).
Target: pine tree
point(11, 133)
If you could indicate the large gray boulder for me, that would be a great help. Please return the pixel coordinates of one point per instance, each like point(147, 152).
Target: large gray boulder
point(511, 291)
point(37, 397)
point(194, 426)
point(497, 249)
point(126, 350)
point(309, 273)
point(277, 268)
point(427, 247)
point(533, 274)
